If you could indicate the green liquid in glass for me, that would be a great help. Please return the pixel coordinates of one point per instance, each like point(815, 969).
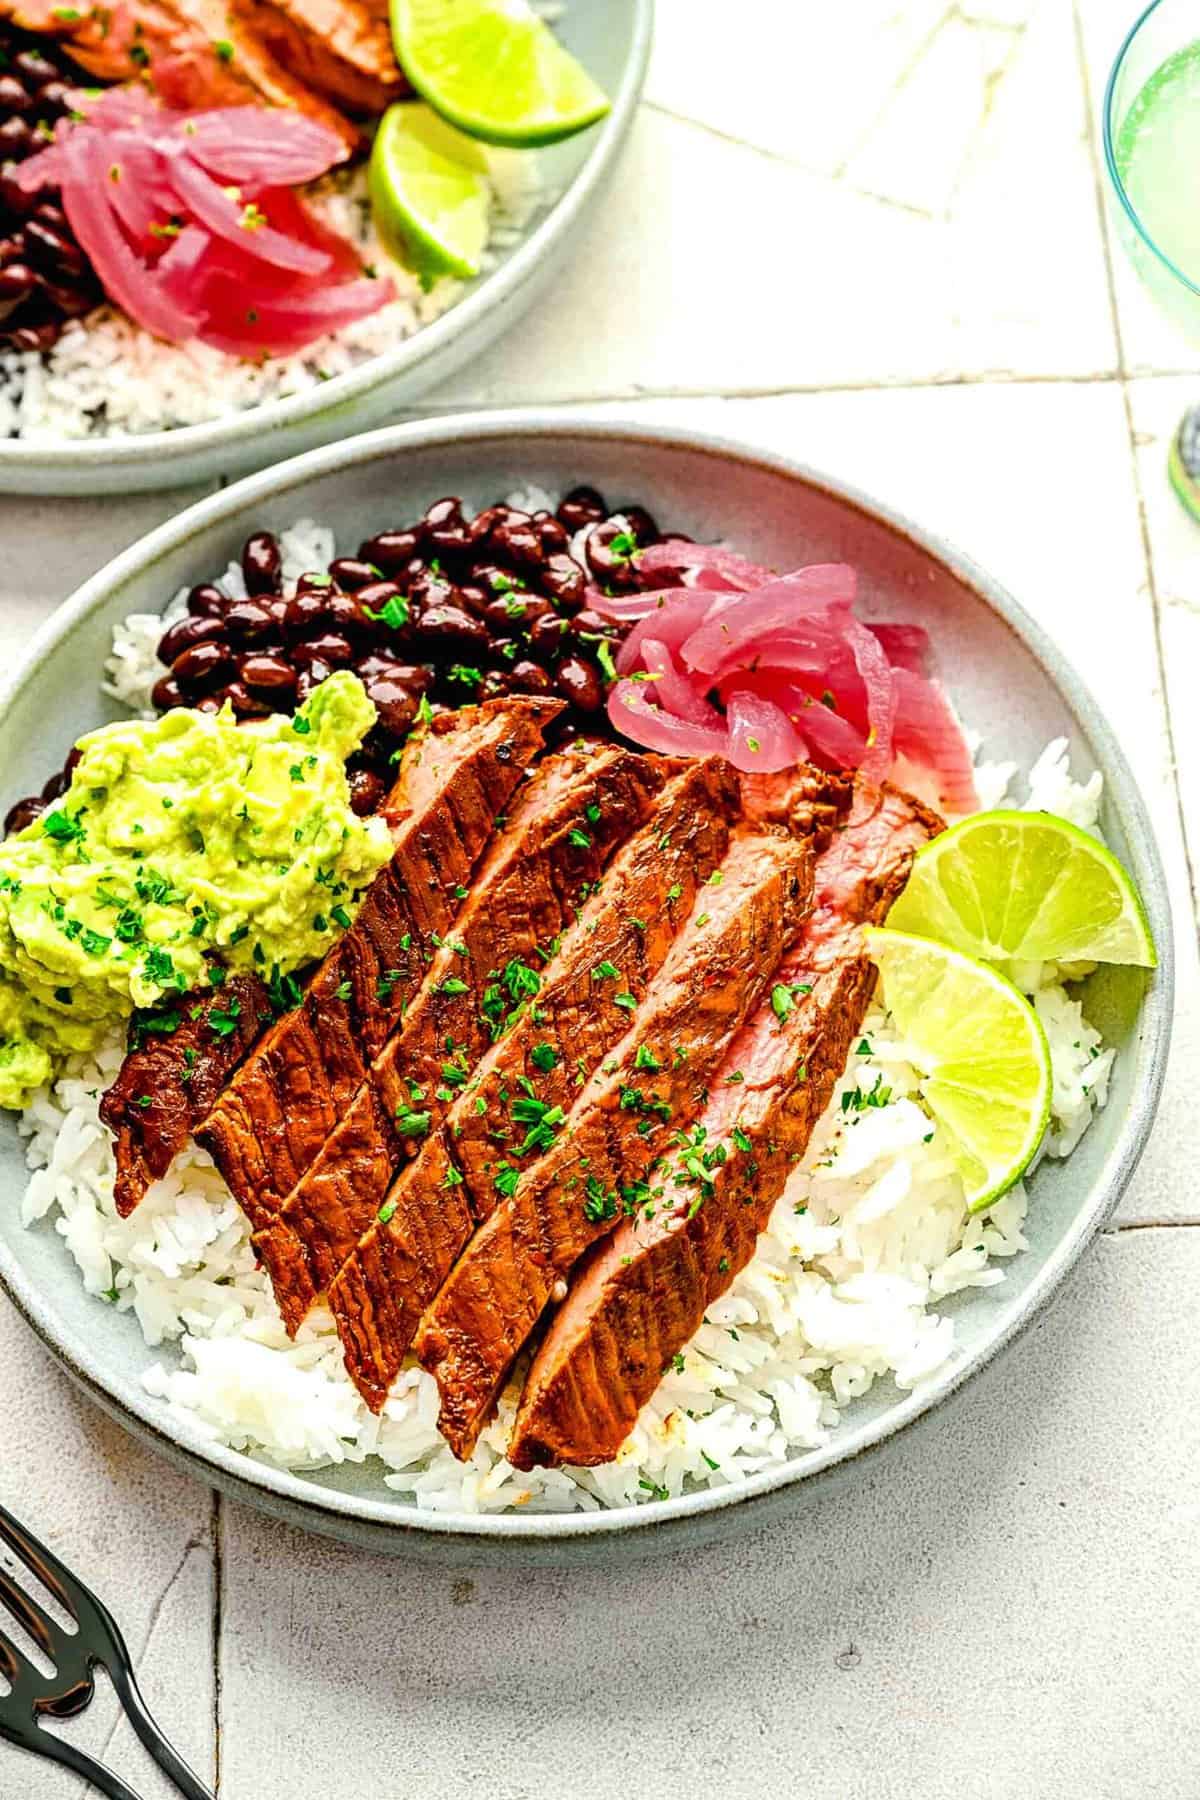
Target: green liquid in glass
point(1158, 158)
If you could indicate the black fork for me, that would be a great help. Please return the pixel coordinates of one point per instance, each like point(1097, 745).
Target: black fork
point(34, 1696)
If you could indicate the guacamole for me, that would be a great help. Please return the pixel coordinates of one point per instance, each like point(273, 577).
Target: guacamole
point(185, 845)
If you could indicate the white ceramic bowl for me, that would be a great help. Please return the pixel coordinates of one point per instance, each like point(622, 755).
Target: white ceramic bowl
point(612, 39)
point(780, 514)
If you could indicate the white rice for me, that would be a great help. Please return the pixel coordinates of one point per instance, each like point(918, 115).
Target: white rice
point(846, 1288)
point(107, 377)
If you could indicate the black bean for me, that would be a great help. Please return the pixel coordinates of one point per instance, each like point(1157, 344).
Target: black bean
point(14, 96)
point(351, 573)
point(18, 139)
point(17, 282)
point(200, 666)
point(396, 704)
point(506, 611)
point(56, 785)
point(588, 624)
point(344, 613)
point(262, 564)
point(473, 597)
point(429, 589)
point(367, 790)
point(450, 628)
point(166, 693)
point(582, 506)
point(444, 530)
point(495, 684)
point(249, 622)
point(310, 678)
point(613, 567)
point(207, 601)
point(416, 676)
point(209, 703)
point(479, 531)
point(390, 551)
point(314, 581)
point(36, 68)
point(517, 542)
point(329, 649)
point(22, 814)
point(186, 632)
point(553, 537)
point(579, 683)
point(245, 704)
point(562, 578)
point(53, 249)
point(547, 635)
point(641, 524)
point(305, 613)
point(268, 674)
point(530, 678)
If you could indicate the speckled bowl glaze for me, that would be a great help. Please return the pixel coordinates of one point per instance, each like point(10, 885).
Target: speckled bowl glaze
point(612, 40)
point(1007, 678)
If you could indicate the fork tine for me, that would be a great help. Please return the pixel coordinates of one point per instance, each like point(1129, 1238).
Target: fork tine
point(43, 1563)
point(28, 1614)
point(102, 1778)
point(11, 1663)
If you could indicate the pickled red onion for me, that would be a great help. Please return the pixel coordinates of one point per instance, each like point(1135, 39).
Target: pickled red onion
point(740, 666)
point(246, 269)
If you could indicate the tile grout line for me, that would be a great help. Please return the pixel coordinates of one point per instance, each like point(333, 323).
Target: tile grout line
point(218, 1608)
point(1135, 470)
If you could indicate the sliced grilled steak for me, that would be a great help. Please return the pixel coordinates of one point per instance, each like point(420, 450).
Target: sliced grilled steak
point(623, 1122)
point(337, 47)
point(430, 1210)
point(574, 812)
point(291, 1091)
point(642, 1293)
point(191, 53)
point(173, 1074)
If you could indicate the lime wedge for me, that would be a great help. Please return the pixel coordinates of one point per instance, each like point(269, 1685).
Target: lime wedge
point(429, 193)
point(494, 69)
point(1027, 887)
point(981, 1051)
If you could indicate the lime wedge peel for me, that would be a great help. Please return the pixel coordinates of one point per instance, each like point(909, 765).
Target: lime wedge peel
point(981, 1051)
point(430, 194)
point(495, 70)
point(1025, 887)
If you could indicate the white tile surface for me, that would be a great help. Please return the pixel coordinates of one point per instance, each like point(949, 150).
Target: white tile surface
point(899, 199)
point(990, 1610)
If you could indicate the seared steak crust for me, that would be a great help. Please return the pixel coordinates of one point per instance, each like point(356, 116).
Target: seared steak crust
point(290, 1093)
point(170, 1079)
point(619, 1127)
point(643, 1292)
point(575, 810)
point(430, 1210)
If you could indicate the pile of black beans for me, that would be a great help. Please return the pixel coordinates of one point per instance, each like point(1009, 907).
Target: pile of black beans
point(431, 616)
point(45, 278)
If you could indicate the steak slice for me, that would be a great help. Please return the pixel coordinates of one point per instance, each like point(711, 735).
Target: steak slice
point(641, 1295)
point(173, 1074)
point(617, 1131)
point(291, 1091)
point(340, 48)
point(573, 813)
point(430, 1210)
point(191, 53)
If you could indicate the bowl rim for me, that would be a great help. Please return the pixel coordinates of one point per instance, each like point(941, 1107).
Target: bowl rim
point(386, 1523)
point(1110, 154)
point(125, 455)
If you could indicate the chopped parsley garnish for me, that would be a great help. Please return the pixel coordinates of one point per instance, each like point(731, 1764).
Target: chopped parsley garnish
point(507, 1179)
point(341, 915)
point(543, 1057)
point(62, 827)
point(579, 839)
point(600, 1202)
point(225, 1022)
point(606, 971)
point(544, 1122)
point(781, 1001)
point(453, 985)
point(646, 1059)
point(387, 1211)
point(410, 1123)
point(343, 990)
point(385, 984)
point(394, 613)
